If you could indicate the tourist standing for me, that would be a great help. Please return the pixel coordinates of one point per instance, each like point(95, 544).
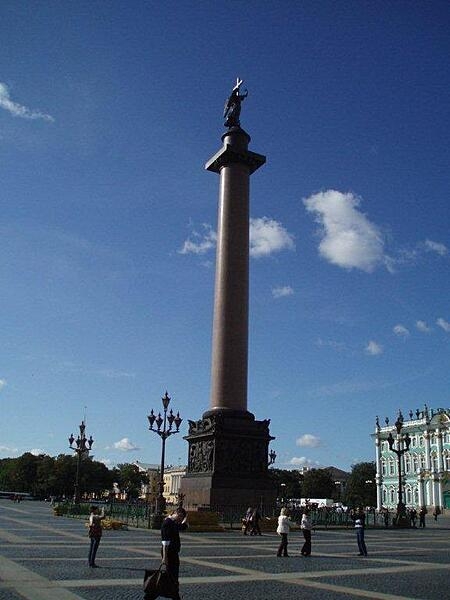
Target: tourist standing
point(422, 513)
point(360, 521)
point(254, 523)
point(306, 527)
point(246, 521)
point(171, 545)
point(95, 533)
point(284, 525)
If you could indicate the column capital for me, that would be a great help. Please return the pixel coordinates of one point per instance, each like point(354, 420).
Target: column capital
point(228, 155)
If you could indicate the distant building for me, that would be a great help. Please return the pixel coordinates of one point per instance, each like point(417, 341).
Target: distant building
point(339, 477)
point(425, 467)
point(149, 490)
point(172, 481)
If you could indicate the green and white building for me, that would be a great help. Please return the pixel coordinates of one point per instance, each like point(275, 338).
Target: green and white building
point(425, 466)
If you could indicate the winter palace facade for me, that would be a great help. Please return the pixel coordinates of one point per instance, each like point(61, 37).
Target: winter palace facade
point(425, 465)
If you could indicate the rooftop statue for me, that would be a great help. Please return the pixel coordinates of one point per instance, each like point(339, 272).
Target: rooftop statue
point(232, 109)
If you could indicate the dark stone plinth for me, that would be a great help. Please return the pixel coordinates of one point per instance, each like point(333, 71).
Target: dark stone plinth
point(227, 464)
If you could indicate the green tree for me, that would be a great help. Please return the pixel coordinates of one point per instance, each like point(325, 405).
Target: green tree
point(318, 483)
point(24, 476)
point(95, 477)
point(65, 469)
point(7, 470)
point(288, 483)
point(130, 479)
point(45, 482)
point(361, 486)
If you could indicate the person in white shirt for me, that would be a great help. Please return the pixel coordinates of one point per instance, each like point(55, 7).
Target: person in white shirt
point(306, 527)
point(284, 525)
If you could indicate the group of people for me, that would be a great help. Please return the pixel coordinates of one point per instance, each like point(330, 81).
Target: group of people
point(285, 523)
point(250, 522)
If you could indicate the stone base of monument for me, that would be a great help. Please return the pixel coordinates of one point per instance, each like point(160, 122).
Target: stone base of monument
point(227, 463)
point(204, 521)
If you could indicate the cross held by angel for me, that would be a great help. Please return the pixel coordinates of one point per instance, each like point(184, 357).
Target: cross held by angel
point(232, 109)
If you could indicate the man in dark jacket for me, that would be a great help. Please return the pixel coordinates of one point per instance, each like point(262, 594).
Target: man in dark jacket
point(170, 537)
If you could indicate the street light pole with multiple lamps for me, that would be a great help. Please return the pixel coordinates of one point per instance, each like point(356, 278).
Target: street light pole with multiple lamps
point(82, 447)
point(164, 429)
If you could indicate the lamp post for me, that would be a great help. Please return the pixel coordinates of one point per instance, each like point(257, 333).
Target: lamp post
point(402, 446)
point(164, 430)
point(82, 447)
point(283, 492)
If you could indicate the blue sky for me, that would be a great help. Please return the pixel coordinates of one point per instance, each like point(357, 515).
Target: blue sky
point(108, 113)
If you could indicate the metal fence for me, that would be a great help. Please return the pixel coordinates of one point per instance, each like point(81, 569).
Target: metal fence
point(140, 514)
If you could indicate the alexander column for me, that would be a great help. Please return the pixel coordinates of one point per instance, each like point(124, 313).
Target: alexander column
point(228, 448)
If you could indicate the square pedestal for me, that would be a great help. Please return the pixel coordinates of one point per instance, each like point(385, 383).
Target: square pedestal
point(227, 463)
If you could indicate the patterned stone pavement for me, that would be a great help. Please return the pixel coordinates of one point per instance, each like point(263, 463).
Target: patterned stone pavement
point(43, 557)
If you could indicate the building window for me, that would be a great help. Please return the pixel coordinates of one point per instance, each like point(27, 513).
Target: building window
point(414, 441)
point(407, 463)
point(434, 462)
point(423, 461)
point(446, 461)
point(391, 496)
point(391, 467)
point(408, 495)
point(384, 495)
point(415, 463)
point(383, 467)
point(416, 496)
point(421, 441)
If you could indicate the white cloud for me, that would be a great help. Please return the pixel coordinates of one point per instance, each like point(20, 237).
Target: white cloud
point(268, 236)
point(36, 451)
point(445, 325)
point(348, 238)
point(200, 243)
point(106, 461)
point(282, 291)
point(373, 348)
point(423, 327)
point(8, 450)
point(302, 461)
point(2, 383)
point(401, 331)
point(308, 440)
point(125, 445)
point(437, 247)
point(17, 110)
point(330, 344)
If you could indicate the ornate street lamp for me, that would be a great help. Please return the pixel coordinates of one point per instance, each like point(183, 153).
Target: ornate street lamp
point(82, 447)
point(402, 445)
point(164, 430)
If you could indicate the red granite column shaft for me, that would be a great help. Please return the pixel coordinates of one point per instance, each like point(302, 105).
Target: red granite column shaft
point(230, 325)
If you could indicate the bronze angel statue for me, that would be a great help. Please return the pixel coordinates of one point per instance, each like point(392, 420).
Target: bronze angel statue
point(232, 109)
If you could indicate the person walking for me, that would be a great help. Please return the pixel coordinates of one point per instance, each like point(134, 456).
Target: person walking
point(360, 521)
point(422, 513)
point(171, 545)
point(306, 527)
point(246, 521)
point(254, 523)
point(95, 533)
point(284, 525)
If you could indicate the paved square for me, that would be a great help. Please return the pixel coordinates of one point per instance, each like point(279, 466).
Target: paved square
point(43, 557)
